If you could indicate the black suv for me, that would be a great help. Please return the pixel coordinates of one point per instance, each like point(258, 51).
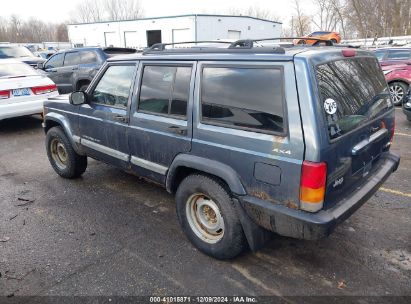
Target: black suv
point(74, 69)
point(250, 139)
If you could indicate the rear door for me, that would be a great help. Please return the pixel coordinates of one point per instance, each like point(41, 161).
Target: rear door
point(103, 120)
point(359, 121)
point(160, 121)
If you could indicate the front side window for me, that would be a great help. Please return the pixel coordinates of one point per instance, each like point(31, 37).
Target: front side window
point(72, 58)
point(113, 88)
point(245, 98)
point(55, 61)
point(165, 90)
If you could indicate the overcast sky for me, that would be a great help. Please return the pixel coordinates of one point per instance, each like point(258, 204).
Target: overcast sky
point(59, 10)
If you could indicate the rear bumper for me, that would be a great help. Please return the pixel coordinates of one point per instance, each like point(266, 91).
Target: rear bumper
point(24, 108)
point(311, 226)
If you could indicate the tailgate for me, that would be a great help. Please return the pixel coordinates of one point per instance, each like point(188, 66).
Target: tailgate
point(359, 119)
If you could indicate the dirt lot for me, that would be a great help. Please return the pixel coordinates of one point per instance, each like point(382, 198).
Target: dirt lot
point(110, 233)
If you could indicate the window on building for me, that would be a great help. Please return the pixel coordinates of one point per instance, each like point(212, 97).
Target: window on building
point(165, 90)
point(245, 98)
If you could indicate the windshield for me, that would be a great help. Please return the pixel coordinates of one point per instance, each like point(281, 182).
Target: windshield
point(16, 69)
point(352, 91)
point(14, 52)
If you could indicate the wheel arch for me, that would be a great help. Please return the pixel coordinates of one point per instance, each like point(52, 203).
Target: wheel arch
point(57, 120)
point(185, 164)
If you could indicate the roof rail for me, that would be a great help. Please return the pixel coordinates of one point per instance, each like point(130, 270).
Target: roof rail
point(239, 46)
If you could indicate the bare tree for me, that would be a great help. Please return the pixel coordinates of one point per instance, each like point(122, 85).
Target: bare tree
point(255, 11)
point(300, 22)
point(88, 11)
point(123, 9)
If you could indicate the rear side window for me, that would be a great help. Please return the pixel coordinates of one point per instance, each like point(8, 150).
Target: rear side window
point(352, 92)
point(72, 58)
point(88, 57)
point(399, 54)
point(243, 98)
point(165, 90)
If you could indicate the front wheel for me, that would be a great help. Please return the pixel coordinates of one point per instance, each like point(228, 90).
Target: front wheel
point(207, 216)
point(398, 92)
point(64, 160)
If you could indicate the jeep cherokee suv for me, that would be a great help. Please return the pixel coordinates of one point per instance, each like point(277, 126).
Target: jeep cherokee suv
point(250, 139)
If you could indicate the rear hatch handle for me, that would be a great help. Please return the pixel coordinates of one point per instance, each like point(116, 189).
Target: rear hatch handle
point(358, 148)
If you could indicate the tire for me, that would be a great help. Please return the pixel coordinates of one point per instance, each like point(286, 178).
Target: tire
point(398, 91)
point(224, 237)
point(84, 87)
point(64, 160)
point(333, 41)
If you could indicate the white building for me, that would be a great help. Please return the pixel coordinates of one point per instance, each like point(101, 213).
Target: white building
point(144, 32)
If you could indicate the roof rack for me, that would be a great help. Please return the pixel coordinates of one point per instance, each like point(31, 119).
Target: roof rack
point(239, 46)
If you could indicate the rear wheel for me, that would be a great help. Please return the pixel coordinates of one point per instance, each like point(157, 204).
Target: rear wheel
point(333, 41)
point(208, 218)
point(84, 87)
point(398, 91)
point(64, 160)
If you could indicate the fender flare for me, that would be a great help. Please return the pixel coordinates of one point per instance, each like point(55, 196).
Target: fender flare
point(62, 121)
point(226, 173)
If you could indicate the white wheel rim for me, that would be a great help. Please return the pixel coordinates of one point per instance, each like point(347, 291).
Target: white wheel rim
point(58, 153)
point(397, 93)
point(204, 218)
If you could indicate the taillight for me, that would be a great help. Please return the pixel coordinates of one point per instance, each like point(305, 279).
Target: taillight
point(44, 89)
point(312, 186)
point(4, 94)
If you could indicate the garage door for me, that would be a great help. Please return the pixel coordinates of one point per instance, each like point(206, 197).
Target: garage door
point(182, 35)
point(111, 39)
point(130, 39)
point(235, 35)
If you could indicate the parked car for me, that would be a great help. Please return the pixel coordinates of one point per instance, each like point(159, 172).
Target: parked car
point(22, 89)
point(238, 138)
point(392, 56)
point(406, 106)
point(332, 36)
point(20, 53)
point(74, 69)
point(398, 78)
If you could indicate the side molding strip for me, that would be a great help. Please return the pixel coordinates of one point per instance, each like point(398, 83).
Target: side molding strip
point(148, 165)
point(103, 149)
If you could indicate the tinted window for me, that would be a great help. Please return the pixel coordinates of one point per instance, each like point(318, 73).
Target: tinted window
point(165, 90)
point(88, 57)
point(320, 33)
point(243, 98)
point(72, 58)
point(379, 55)
point(55, 61)
point(352, 91)
point(113, 88)
point(399, 54)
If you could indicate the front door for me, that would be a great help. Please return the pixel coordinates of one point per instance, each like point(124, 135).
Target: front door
point(70, 66)
point(52, 68)
point(160, 120)
point(104, 119)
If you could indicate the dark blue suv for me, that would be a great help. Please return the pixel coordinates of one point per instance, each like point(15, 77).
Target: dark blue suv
point(250, 139)
point(74, 69)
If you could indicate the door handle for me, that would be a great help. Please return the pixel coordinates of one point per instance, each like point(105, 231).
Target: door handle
point(121, 118)
point(178, 130)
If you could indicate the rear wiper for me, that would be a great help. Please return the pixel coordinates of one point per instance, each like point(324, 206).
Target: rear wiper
point(366, 106)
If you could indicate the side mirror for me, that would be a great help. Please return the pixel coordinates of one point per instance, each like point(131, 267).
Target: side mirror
point(78, 98)
point(40, 65)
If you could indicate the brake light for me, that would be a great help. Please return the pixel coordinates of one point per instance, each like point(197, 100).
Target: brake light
point(349, 53)
point(44, 89)
point(4, 94)
point(312, 186)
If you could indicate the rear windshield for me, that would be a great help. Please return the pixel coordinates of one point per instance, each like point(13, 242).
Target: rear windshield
point(16, 69)
point(352, 91)
point(15, 52)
